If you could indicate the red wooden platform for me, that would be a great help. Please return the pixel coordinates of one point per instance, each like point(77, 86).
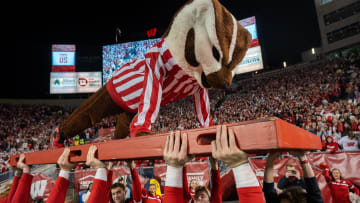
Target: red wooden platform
point(256, 136)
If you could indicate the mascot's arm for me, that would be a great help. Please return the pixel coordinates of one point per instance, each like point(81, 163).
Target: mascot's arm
point(150, 98)
point(202, 107)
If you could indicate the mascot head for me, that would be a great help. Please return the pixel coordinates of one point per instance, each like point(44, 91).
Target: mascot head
point(207, 42)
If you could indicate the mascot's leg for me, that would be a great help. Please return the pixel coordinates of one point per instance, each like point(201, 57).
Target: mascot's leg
point(98, 106)
point(122, 129)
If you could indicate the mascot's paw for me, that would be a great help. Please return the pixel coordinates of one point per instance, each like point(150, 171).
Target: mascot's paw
point(58, 139)
point(139, 134)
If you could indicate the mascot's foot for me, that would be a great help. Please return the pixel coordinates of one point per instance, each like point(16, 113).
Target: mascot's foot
point(58, 139)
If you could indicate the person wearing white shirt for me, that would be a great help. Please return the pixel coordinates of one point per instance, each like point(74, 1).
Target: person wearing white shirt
point(350, 142)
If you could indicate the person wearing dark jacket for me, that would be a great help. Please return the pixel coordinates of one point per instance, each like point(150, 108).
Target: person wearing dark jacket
point(311, 194)
point(291, 178)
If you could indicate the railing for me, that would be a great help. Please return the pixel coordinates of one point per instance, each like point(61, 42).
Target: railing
point(6, 176)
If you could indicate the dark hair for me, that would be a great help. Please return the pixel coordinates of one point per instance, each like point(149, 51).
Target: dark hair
point(294, 194)
point(200, 189)
point(116, 185)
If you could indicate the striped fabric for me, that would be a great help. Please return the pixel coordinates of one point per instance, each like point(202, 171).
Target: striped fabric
point(142, 86)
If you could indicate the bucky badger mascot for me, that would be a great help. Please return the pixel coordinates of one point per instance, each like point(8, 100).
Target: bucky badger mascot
point(199, 50)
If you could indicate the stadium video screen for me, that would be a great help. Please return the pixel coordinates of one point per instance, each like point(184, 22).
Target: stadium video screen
point(63, 58)
point(117, 55)
point(253, 59)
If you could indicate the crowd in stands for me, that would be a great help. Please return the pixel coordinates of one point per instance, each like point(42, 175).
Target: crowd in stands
point(27, 128)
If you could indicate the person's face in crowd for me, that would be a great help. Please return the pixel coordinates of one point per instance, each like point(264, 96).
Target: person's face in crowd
point(328, 139)
point(290, 168)
point(118, 195)
point(202, 197)
point(336, 174)
point(193, 184)
point(152, 190)
point(351, 134)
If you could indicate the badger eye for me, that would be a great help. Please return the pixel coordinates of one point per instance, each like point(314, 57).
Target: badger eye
point(215, 53)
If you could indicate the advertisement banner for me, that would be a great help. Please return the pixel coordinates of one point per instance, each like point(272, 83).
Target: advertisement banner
point(41, 186)
point(75, 82)
point(84, 177)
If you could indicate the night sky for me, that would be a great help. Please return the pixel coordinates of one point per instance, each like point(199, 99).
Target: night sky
point(285, 29)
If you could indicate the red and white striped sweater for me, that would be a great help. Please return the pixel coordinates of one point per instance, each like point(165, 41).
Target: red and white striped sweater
point(142, 86)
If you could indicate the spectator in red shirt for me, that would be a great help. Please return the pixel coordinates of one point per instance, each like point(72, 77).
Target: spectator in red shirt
point(329, 145)
point(140, 194)
point(340, 188)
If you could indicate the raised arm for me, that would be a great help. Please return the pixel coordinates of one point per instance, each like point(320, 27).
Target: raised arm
point(58, 192)
point(14, 184)
point(136, 184)
point(216, 194)
point(22, 193)
point(224, 148)
point(268, 187)
point(312, 187)
point(175, 155)
point(100, 184)
point(187, 192)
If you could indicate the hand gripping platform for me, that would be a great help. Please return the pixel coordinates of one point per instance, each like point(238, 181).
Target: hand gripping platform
point(256, 136)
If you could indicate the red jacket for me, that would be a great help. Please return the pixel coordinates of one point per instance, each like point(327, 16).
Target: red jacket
point(140, 194)
point(10, 196)
point(22, 194)
point(332, 145)
point(58, 192)
point(340, 189)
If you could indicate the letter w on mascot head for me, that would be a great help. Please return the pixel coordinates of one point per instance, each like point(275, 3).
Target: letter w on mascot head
point(200, 49)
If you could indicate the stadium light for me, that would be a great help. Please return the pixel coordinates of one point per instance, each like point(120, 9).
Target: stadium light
point(256, 72)
point(313, 51)
point(284, 64)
